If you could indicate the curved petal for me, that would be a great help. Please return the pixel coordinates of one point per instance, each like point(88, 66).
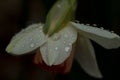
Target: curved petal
point(85, 55)
point(102, 37)
point(58, 47)
point(27, 40)
point(62, 68)
point(60, 14)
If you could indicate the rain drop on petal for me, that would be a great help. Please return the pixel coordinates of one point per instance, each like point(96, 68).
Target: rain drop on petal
point(56, 48)
point(32, 45)
point(67, 49)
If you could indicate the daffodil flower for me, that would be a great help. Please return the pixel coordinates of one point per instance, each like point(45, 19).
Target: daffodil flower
point(55, 43)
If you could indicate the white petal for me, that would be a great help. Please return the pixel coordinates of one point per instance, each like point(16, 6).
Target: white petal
point(59, 46)
point(102, 37)
point(27, 40)
point(85, 55)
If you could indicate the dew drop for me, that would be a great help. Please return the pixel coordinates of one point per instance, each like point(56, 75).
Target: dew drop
point(67, 49)
point(22, 30)
point(82, 24)
point(112, 31)
point(88, 24)
point(56, 48)
point(32, 45)
point(65, 35)
point(84, 27)
point(59, 6)
point(41, 26)
point(94, 25)
point(88, 29)
point(31, 39)
point(101, 28)
point(56, 37)
point(23, 45)
point(40, 30)
point(76, 21)
point(70, 44)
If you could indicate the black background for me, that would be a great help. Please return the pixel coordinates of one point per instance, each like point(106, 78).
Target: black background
point(15, 15)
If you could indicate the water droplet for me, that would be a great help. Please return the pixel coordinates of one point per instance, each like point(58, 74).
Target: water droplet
point(37, 29)
point(40, 30)
point(95, 25)
point(87, 29)
point(112, 31)
point(41, 26)
point(31, 39)
point(59, 6)
point(36, 43)
point(70, 44)
point(84, 27)
point(32, 45)
point(88, 24)
point(101, 28)
point(56, 48)
point(56, 37)
point(67, 49)
point(23, 45)
point(65, 35)
point(76, 21)
point(23, 30)
point(82, 24)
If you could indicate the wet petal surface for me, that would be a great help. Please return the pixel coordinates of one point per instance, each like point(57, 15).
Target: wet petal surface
point(27, 40)
point(103, 37)
point(59, 46)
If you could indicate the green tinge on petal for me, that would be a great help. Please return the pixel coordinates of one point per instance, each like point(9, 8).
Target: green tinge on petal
point(60, 14)
point(27, 40)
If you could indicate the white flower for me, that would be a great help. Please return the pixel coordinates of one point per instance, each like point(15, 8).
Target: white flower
point(57, 48)
point(55, 40)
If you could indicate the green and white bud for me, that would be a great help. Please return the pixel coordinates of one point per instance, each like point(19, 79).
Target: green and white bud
point(60, 14)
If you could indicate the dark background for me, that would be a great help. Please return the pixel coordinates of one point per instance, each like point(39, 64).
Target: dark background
point(17, 14)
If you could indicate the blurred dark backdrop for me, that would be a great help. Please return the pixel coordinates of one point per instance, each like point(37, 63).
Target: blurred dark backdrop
point(17, 14)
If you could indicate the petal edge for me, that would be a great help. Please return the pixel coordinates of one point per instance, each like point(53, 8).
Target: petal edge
point(27, 40)
point(104, 38)
point(85, 55)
